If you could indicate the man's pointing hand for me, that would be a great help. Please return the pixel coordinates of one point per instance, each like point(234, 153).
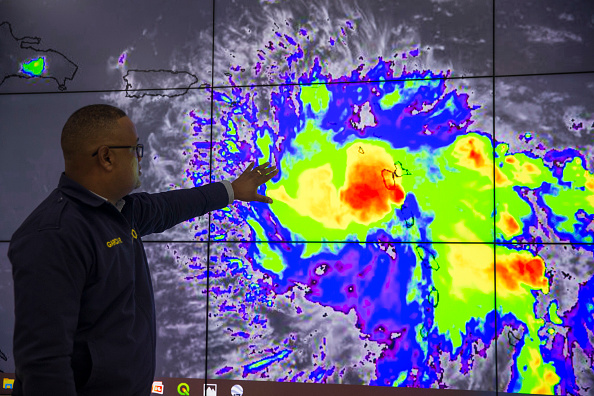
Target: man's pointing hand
point(245, 187)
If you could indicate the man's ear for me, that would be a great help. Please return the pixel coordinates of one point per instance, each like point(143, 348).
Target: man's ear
point(105, 160)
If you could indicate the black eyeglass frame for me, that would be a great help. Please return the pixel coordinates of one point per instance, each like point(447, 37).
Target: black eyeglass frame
point(139, 149)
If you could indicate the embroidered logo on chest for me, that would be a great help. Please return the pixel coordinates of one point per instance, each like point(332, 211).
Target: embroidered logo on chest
point(113, 242)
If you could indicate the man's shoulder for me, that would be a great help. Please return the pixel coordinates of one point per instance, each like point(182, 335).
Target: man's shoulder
point(48, 215)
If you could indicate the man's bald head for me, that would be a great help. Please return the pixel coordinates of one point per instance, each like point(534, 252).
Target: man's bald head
point(100, 146)
point(86, 128)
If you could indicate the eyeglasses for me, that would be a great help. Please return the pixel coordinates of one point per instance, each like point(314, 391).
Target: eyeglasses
point(139, 149)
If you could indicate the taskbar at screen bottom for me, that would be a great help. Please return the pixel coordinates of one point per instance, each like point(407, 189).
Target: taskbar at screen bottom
point(216, 387)
point(199, 387)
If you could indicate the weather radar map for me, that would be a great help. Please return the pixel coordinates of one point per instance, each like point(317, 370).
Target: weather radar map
point(411, 238)
point(433, 214)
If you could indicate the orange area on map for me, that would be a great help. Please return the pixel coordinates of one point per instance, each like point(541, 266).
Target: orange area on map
point(590, 186)
point(508, 224)
point(550, 379)
point(589, 181)
point(471, 154)
point(500, 179)
point(471, 268)
point(518, 268)
point(367, 195)
point(369, 192)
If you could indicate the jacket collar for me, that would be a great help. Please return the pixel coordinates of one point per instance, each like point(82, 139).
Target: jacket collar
point(78, 192)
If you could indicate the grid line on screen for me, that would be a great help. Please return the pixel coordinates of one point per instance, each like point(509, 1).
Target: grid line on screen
point(208, 249)
point(495, 324)
point(232, 242)
point(449, 78)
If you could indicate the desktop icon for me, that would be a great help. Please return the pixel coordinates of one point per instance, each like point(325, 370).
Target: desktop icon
point(7, 383)
point(237, 390)
point(183, 389)
point(210, 389)
point(158, 387)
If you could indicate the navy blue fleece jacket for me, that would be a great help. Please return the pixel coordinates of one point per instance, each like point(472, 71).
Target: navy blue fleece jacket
point(84, 305)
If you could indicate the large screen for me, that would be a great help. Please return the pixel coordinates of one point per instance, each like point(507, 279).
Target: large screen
point(433, 215)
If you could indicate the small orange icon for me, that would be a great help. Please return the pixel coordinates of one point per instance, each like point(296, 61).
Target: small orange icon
point(158, 387)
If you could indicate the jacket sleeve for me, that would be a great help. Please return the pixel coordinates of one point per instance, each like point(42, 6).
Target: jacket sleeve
point(48, 283)
point(155, 213)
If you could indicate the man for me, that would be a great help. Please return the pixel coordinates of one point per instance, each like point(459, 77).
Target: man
point(84, 305)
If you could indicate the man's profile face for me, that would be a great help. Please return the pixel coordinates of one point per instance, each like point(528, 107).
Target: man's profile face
point(129, 170)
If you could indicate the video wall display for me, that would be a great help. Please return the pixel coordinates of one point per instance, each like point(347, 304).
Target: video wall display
point(433, 215)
